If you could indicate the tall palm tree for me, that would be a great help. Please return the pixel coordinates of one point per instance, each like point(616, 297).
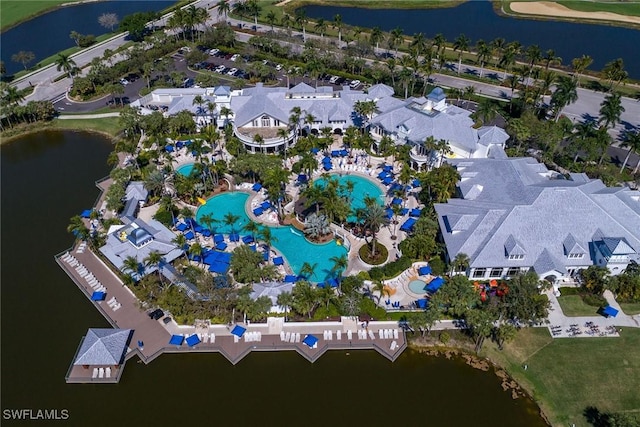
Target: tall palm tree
point(271, 18)
point(460, 263)
point(396, 37)
point(579, 65)
point(615, 73)
point(533, 54)
point(131, 264)
point(285, 299)
point(307, 270)
point(223, 8)
point(632, 142)
point(498, 46)
point(252, 227)
point(154, 259)
point(196, 250)
point(321, 27)
point(77, 227)
point(68, 65)
point(610, 110)
point(267, 238)
point(566, 93)
point(337, 23)
point(461, 44)
point(301, 21)
point(375, 37)
point(439, 42)
point(374, 217)
point(483, 54)
point(549, 57)
point(230, 219)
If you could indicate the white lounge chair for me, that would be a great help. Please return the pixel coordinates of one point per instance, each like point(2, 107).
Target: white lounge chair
point(330, 335)
point(393, 346)
point(107, 372)
point(101, 373)
point(395, 334)
point(117, 307)
point(236, 339)
point(297, 336)
point(95, 373)
point(372, 335)
point(349, 334)
point(381, 334)
point(287, 337)
point(338, 335)
point(281, 335)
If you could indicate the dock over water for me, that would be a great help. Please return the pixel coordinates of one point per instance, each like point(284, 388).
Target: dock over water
point(122, 310)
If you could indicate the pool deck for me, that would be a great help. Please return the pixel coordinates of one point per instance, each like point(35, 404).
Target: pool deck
point(155, 334)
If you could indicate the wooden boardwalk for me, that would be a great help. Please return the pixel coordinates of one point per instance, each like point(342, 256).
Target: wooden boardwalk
point(122, 310)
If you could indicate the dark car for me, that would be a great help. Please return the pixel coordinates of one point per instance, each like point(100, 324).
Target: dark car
point(166, 320)
point(156, 314)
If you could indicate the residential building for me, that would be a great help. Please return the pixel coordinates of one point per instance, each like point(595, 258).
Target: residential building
point(514, 215)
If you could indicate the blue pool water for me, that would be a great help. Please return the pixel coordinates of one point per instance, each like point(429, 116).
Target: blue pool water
point(417, 286)
point(362, 187)
point(186, 169)
point(287, 240)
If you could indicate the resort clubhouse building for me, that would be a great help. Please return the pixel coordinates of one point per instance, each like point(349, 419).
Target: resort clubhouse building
point(264, 111)
point(514, 215)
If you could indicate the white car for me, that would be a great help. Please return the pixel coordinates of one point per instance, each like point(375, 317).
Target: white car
point(232, 71)
point(334, 79)
point(279, 67)
point(213, 52)
point(124, 82)
point(235, 57)
point(354, 84)
point(220, 68)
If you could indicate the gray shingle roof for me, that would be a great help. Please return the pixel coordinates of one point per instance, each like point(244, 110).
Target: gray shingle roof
point(380, 91)
point(516, 204)
point(103, 347)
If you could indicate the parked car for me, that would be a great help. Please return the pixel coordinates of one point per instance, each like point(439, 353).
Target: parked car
point(214, 52)
point(124, 81)
point(354, 84)
point(232, 71)
point(234, 58)
point(279, 67)
point(220, 69)
point(156, 314)
point(333, 79)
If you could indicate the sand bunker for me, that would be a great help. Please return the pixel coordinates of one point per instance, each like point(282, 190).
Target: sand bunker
point(547, 8)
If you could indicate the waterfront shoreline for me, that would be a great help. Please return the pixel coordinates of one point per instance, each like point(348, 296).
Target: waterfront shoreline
point(551, 11)
point(41, 12)
point(291, 5)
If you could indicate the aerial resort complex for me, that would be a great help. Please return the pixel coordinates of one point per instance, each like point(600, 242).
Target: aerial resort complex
point(285, 202)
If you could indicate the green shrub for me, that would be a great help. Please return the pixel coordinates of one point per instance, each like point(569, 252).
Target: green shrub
point(437, 266)
point(594, 300)
point(164, 217)
point(322, 312)
point(367, 306)
point(569, 291)
point(444, 337)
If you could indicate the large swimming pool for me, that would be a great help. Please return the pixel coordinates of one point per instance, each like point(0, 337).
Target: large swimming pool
point(287, 240)
point(362, 187)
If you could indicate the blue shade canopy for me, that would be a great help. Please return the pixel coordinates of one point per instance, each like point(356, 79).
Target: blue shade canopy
point(416, 183)
point(234, 237)
point(176, 340)
point(327, 166)
point(302, 178)
point(98, 296)
point(310, 341)
point(218, 238)
point(219, 267)
point(422, 303)
point(278, 261)
point(266, 205)
point(189, 235)
point(435, 284)
point(221, 246)
point(86, 213)
point(290, 279)
point(258, 211)
point(388, 180)
point(408, 224)
point(396, 201)
point(415, 212)
point(423, 271)
point(247, 239)
point(181, 226)
point(238, 331)
point(193, 340)
point(609, 311)
point(315, 150)
point(168, 148)
point(257, 186)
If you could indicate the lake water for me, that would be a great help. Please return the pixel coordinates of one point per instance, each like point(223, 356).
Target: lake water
point(49, 177)
point(48, 34)
point(477, 20)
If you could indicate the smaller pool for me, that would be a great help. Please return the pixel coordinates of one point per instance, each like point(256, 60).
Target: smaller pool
point(186, 169)
point(417, 286)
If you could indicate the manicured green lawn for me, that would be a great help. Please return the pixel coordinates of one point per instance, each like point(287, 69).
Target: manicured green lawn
point(393, 4)
point(621, 8)
point(12, 11)
point(567, 375)
point(107, 125)
point(630, 308)
point(572, 305)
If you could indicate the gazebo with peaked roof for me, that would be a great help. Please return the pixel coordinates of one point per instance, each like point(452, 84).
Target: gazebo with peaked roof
point(103, 347)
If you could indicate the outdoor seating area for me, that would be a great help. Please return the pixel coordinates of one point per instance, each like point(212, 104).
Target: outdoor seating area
point(101, 373)
point(83, 272)
point(114, 304)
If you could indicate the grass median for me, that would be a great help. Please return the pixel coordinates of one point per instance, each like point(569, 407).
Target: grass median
point(13, 12)
point(566, 376)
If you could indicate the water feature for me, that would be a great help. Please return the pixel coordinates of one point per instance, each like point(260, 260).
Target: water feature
point(362, 187)
point(186, 169)
point(287, 240)
point(48, 34)
point(417, 286)
point(45, 316)
point(477, 20)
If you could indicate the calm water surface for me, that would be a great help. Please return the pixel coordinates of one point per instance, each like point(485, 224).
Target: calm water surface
point(49, 177)
point(477, 20)
point(48, 34)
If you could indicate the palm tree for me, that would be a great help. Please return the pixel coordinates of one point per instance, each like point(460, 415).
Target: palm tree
point(507, 60)
point(251, 227)
point(208, 220)
point(533, 55)
point(180, 241)
point(615, 73)
point(223, 8)
point(337, 23)
point(307, 270)
point(632, 142)
point(484, 54)
point(461, 44)
point(301, 21)
point(195, 250)
point(566, 93)
point(610, 110)
point(460, 263)
point(321, 26)
point(381, 289)
point(154, 259)
point(439, 42)
point(285, 299)
point(230, 219)
point(77, 227)
point(579, 65)
point(131, 264)
point(268, 238)
point(64, 62)
point(374, 217)
point(375, 37)
point(549, 57)
point(340, 263)
point(396, 38)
